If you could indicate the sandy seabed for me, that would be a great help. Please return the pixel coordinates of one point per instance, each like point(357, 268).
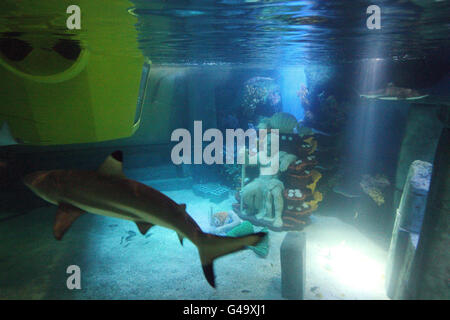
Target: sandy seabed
point(117, 262)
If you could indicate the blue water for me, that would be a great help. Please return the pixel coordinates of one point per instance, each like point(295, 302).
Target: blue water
point(204, 54)
point(289, 32)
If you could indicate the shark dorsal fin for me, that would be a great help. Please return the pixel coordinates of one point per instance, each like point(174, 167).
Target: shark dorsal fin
point(143, 227)
point(113, 165)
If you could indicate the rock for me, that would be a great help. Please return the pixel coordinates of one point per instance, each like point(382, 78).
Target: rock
point(293, 263)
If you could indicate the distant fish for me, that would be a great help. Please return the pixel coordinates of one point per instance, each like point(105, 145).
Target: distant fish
point(342, 190)
point(307, 131)
point(258, 79)
point(322, 167)
point(392, 92)
point(320, 132)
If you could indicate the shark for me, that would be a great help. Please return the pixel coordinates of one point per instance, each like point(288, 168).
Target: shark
point(392, 92)
point(108, 192)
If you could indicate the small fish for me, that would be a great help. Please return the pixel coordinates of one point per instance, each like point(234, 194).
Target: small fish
point(131, 235)
point(342, 190)
point(356, 215)
point(259, 79)
point(320, 132)
point(306, 131)
point(321, 168)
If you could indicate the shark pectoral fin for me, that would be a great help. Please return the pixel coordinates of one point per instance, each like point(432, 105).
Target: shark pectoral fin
point(180, 237)
point(113, 165)
point(144, 227)
point(65, 216)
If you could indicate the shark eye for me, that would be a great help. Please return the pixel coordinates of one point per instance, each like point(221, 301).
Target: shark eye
point(15, 49)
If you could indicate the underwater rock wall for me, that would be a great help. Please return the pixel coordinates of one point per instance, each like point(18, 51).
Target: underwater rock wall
point(421, 136)
point(433, 267)
point(201, 98)
point(318, 77)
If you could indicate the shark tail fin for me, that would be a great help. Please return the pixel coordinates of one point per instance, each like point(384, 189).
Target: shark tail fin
point(211, 247)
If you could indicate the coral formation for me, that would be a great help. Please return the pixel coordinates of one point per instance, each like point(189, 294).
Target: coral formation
point(261, 96)
point(316, 177)
point(373, 186)
point(323, 110)
point(302, 94)
point(376, 195)
point(304, 200)
point(313, 143)
point(283, 121)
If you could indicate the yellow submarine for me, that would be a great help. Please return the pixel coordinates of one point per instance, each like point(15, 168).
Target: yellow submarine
point(64, 86)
